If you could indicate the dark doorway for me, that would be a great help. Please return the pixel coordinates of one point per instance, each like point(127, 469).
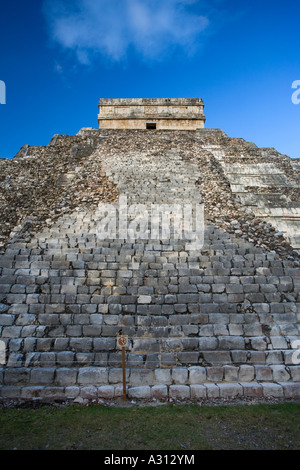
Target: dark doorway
point(150, 125)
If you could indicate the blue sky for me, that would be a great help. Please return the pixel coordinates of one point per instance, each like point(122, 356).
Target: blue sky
point(58, 57)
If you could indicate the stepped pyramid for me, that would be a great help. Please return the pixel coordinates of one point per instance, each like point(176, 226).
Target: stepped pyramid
point(220, 321)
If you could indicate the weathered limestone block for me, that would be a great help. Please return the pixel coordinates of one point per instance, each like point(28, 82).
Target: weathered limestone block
point(212, 390)
point(197, 375)
point(159, 392)
point(66, 377)
point(139, 377)
point(179, 375)
point(163, 376)
point(246, 373)
point(230, 390)
point(290, 390)
point(16, 376)
point(272, 390)
point(42, 376)
point(89, 393)
point(211, 320)
point(280, 373)
point(198, 392)
point(252, 389)
point(106, 391)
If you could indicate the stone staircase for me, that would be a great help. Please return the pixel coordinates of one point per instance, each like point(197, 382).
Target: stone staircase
point(219, 322)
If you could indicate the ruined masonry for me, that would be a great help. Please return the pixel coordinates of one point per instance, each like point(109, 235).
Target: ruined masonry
point(219, 322)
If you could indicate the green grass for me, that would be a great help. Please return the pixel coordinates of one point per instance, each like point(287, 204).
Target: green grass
point(168, 427)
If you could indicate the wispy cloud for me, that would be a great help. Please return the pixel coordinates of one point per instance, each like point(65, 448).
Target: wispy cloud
point(112, 27)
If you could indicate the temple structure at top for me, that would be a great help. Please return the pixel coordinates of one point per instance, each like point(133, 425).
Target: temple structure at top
point(150, 113)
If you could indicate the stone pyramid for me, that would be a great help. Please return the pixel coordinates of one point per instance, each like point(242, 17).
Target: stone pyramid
point(217, 322)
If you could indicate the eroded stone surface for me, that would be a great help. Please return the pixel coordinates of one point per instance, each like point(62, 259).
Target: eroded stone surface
point(217, 322)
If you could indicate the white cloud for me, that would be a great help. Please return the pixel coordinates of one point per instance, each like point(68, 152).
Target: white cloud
point(111, 27)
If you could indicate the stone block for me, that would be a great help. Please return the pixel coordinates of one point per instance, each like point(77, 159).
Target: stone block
point(197, 375)
point(295, 373)
point(6, 319)
point(263, 373)
point(258, 343)
point(10, 392)
point(198, 392)
point(92, 376)
point(115, 375)
point(279, 342)
point(159, 392)
point(11, 331)
point(145, 345)
point(89, 393)
point(235, 330)
point(246, 373)
point(15, 360)
point(231, 390)
point(53, 393)
point(217, 357)
point(104, 344)
point(47, 359)
point(106, 392)
point(163, 376)
point(42, 376)
point(272, 390)
point(65, 358)
point(252, 389)
point(32, 392)
point(72, 392)
point(145, 299)
point(91, 330)
point(81, 344)
point(212, 390)
point(215, 374)
point(231, 373)
point(280, 373)
point(231, 342)
point(208, 343)
point(168, 359)
point(274, 357)
point(66, 377)
point(179, 375)
point(16, 376)
point(188, 357)
point(142, 392)
point(139, 377)
point(16, 299)
point(179, 391)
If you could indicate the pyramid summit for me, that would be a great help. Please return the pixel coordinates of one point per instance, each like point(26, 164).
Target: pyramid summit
point(217, 322)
